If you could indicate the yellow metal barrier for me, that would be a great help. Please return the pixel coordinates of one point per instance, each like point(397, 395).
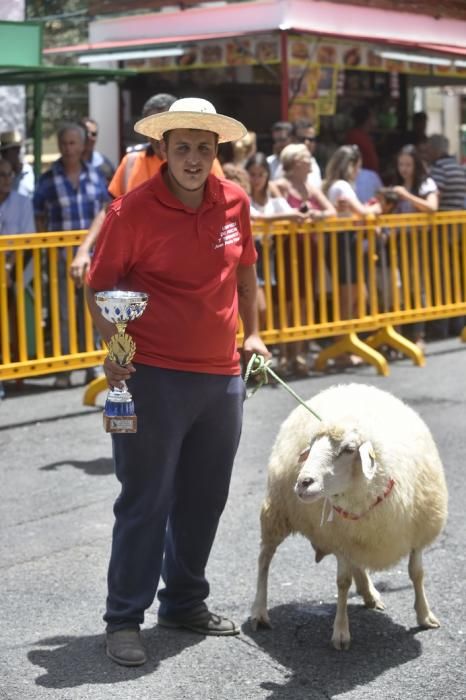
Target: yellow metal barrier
point(44, 324)
point(403, 269)
point(335, 278)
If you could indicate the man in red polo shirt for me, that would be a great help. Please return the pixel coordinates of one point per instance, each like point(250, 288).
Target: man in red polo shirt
point(183, 237)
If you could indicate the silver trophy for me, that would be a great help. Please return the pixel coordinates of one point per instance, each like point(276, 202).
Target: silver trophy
point(121, 308)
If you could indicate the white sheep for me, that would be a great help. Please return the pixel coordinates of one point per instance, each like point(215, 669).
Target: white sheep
point(365, 483)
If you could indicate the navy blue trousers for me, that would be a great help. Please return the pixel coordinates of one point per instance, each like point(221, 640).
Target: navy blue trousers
point(175, 475)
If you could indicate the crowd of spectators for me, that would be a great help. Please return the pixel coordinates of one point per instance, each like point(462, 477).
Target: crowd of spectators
point(286, 183)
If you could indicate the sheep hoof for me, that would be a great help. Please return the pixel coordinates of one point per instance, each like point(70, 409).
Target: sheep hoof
point(260, 620)
point(341, 642)
point(374, 603)
point(429, 621)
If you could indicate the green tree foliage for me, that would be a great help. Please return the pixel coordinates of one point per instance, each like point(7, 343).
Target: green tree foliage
point(65, 23)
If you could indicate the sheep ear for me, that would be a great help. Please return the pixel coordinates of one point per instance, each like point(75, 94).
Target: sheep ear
point(368, 463)
point(304, 454)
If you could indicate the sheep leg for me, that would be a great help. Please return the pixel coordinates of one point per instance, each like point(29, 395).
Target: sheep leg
point(367, 590)
point(425, 616)
point(273, 531)
point(341, 635)
point(259, 614)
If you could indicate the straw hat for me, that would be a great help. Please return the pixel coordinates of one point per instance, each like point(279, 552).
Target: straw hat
point(10, 139)
point(191, 113)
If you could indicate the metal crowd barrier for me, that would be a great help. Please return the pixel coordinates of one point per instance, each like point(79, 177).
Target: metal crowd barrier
point(44, 324)
point(398, 269)
point(333, 278)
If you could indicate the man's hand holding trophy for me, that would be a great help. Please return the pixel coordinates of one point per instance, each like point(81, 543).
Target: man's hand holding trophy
point(120, 308)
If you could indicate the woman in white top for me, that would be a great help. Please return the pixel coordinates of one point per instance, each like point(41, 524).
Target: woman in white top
point(415, 189)
point(339, 186)
point(416, 192)
point(268, 205)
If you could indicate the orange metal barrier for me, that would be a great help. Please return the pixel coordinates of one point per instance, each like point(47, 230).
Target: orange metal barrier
point(335, 278)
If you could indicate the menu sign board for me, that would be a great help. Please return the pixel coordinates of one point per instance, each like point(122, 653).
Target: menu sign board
point(355, 56)
point(314, 66)
point(220, 53)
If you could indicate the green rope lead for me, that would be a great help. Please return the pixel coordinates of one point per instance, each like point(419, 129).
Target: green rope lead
point(258, 366)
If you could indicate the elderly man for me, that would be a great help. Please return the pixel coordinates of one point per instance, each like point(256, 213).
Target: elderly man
point(68, 196)
point(183, 237)
point(450, 178)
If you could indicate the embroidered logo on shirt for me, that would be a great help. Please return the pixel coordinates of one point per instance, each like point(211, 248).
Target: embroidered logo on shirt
point(229, 234)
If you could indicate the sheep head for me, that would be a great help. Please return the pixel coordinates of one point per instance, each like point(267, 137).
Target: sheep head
point(337, 457)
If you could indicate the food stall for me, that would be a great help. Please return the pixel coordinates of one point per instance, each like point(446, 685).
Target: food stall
point(266, 60)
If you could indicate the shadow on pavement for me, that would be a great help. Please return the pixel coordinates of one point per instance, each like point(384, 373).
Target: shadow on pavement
point(300, 642)
point(49, 419)
point(94, 467)
point(75, 661)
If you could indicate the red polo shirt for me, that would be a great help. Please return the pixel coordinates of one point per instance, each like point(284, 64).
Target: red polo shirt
point(186, 261)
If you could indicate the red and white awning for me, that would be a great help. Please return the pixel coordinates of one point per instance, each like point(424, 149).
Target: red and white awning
point(442, 35)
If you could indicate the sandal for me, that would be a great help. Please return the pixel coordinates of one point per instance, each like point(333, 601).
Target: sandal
point(282, 367)
point(301, 367)
point(201, 621)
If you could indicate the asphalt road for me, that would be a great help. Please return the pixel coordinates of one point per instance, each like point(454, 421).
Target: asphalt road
point(56, 519)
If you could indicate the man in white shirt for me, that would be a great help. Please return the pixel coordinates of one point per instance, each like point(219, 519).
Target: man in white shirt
point(281, 137)
point(91, 154)
point(304, 132)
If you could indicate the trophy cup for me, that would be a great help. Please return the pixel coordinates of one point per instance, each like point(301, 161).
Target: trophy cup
point(120, 308)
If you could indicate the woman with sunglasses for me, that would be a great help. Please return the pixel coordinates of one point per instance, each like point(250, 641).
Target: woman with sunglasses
point(300, 195)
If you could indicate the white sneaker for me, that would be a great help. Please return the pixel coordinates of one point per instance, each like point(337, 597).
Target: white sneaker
point(62, 381)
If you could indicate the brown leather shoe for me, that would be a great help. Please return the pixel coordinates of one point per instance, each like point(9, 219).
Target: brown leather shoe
point(125, 647)
point(202, 621)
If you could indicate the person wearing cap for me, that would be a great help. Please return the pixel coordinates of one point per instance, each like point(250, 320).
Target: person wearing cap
point(16, 216)
point(11, 144)
point(136, 166)
point(183, 237)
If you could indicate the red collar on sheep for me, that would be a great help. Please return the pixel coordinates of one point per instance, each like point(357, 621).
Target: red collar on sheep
point(379, 499)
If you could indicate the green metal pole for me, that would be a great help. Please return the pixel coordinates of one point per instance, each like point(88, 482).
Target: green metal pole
point(39, 91)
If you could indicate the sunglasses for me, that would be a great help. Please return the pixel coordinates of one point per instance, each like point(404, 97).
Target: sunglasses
point(303, 139)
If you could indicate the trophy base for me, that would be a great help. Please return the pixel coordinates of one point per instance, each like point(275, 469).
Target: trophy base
point(120, 424)
point(119, 416)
